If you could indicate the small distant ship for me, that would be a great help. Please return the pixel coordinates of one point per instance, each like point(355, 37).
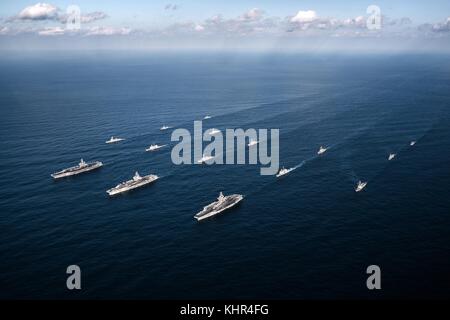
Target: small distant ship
point(322, 150)
point(391, 156)
point(412, 143)
point(207, 117)
point(205, 158)
point(80, 168)
point(284, 171)
point(252, 142)
point(155, 147)
point(114, 140)
point(360, 186)
point(134, 183)
point(213, 131)
point(164, 128)
point(223, 203)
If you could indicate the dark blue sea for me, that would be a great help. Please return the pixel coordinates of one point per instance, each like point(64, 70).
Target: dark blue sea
point(307, 235)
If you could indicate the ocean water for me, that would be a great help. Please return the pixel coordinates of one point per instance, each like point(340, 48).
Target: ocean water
point(307, 235)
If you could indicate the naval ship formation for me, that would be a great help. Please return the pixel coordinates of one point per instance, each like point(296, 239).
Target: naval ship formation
point(223, 202)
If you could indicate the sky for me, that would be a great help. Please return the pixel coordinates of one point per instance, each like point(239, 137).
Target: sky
point(226, 25)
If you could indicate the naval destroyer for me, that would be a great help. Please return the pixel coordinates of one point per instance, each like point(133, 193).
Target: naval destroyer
point(283, 171)
point(361, 185)
point(155, 147)
point(322, 150)
point(114, 140)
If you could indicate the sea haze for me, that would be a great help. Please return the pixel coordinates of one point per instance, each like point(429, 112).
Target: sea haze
point(306, 235)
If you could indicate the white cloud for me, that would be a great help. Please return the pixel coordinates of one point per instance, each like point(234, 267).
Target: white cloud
point(358, 21)
point(199, 27)
point(171, 7)
point(442, 27)
point(253, 25)
point(39, 11)
point(48, 12)
point(4, 30)
point(250, 22)
point(93, 16)
point(304, 16)
point(252, 14)
point(310, 22)
point(107, 31)
point(52, 31)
